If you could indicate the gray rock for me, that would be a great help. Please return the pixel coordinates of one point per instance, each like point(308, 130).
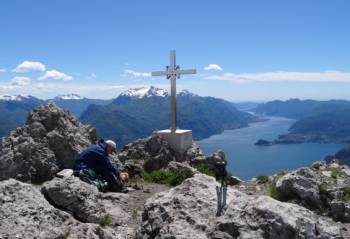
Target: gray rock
point(84, 201)
point(264, 217)
point(340, 210)
point(180, 167)
point(155, 153)
point(25, 214)
point(302, 184)
point(210, 161)
point(188, 211)
point(50, 141)
point(318, 164)
point(233, 180)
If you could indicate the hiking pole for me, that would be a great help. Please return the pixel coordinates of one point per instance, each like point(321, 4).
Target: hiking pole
point(221, 192)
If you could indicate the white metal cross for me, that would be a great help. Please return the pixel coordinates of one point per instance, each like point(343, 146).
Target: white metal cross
point(173, 72)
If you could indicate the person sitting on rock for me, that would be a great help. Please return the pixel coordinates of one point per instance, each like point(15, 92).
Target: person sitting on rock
point(96, 158)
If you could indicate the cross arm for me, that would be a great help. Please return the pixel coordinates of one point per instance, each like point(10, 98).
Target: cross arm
point(186, 71)
point(160, 73)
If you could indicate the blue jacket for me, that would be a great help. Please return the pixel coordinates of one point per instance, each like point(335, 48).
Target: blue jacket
point(95, 158)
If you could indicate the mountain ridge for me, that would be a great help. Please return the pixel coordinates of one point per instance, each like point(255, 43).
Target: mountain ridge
point(317, 121)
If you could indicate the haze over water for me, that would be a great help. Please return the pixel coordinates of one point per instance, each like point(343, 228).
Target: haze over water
point(247, 160)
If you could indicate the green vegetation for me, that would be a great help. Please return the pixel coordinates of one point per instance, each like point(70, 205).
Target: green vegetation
point(317, 121)
point(274, 192)
point(203, 168)
point(130, 120)
point(336, 173)
point(347, 193)
point(105, 220)
point(167, 177)
point(280, 174)
point(324, 211)
point(324, 188)
point(262, 179)
point(347, 190)
point(134, 214)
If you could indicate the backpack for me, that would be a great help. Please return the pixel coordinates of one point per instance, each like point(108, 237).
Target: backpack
point(90, 177)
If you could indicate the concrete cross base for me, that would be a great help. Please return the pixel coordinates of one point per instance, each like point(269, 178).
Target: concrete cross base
point(180, 141)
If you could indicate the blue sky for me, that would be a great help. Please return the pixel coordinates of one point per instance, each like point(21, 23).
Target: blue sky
point(258, 50)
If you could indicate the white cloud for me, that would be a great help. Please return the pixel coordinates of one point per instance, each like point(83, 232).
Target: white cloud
point(50, 89)
point(17, 83)
point(213, 67)
point(26, 66)
point(2, 70)
point(20, 81)
point(323, 76)
point(131, 73)
point(56, 75)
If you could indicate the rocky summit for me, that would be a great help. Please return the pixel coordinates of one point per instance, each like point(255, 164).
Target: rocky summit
point(310, 202)
point(189, 211)
point(50, 141)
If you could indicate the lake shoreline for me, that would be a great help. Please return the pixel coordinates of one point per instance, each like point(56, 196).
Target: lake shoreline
point(247, 160)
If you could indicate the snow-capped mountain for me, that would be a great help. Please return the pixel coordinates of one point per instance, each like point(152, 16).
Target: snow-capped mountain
point(148, 92)
point(16, 97)
point(71, 96)
point(145, 92)
point(186, 93)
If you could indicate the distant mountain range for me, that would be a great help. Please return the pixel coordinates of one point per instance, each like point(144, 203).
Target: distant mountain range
point(134, 113)
point(317, 121)
point(138, 112)
point(15, 108)
point(297, 109)
point(77, 104)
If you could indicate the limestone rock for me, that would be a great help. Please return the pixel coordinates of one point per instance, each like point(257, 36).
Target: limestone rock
point(84, 201)
point(50, 141)
point(25, 214)
point(302, 184)
point(188, 211)
point(180, 167)
point(318, 164)
point(264, 217)
point(210, 161)
point(155, 153)
point(340, 210)
point(233, 180)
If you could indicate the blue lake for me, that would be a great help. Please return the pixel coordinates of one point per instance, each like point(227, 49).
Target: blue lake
point(247, 160)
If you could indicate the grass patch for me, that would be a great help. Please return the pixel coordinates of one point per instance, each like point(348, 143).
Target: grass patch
point(335, 173)
point(167, 177)
point(262, 179)
point(347, 190)
point(134, 214)
point(324, 188)
point(347, 193)
point(275, 193)
point(324, 211)
point(203, 168)
point(280, 174)
point(105, 220)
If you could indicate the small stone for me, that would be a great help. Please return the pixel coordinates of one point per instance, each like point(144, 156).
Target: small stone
point(327, 173)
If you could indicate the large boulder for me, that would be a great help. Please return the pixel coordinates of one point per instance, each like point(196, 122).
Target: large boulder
point(24, 213)
point(211, 161)
point(155, 153)
point(189, 211)
point(340, 210)
point(264, 217)
point(50, 141)
point(302, 184)
point(85, 202)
